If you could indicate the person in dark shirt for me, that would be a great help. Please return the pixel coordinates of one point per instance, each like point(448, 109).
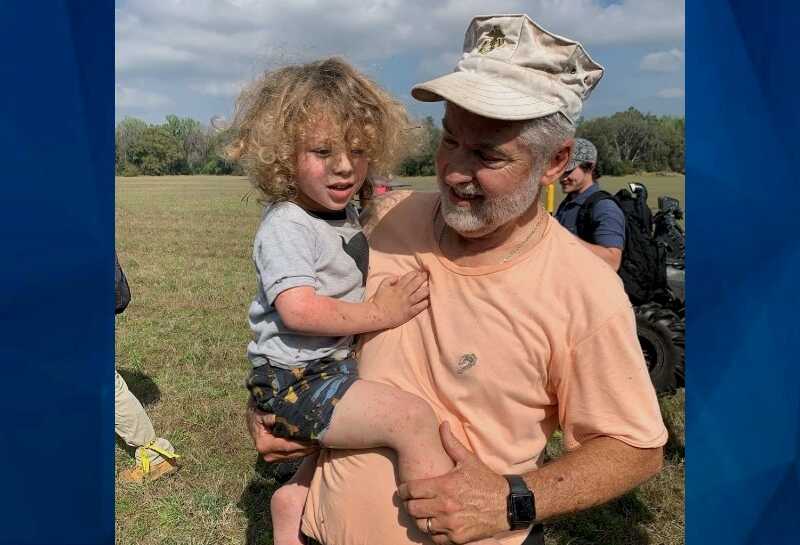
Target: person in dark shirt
point(579, 182)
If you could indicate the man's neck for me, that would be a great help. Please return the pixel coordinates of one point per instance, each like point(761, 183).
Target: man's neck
point(491, 248)
point(587, 186)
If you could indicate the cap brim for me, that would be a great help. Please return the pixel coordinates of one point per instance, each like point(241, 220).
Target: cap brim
point(484, 96)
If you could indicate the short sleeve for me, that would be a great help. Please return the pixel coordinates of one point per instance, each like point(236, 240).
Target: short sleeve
point(283, 254)
point(610, 221)
point(605, 390)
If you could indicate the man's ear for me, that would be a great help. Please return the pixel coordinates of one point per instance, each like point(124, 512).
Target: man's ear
point(557, 164)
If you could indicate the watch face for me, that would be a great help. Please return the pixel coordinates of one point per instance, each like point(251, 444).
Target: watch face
point(522, 507)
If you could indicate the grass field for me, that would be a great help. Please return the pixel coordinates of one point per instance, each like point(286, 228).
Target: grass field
point(184, 243)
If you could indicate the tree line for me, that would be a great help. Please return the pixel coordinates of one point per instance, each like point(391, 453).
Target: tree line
point(177, 146)
point(627, 142)
point(630, 141)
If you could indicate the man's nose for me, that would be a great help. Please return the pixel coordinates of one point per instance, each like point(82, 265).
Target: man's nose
point(458, 169)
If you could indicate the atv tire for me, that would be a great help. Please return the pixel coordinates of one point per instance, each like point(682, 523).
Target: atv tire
point(661, 335)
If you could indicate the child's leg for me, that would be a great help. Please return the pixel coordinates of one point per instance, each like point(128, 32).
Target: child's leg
point(371, 414)
point(287, 503)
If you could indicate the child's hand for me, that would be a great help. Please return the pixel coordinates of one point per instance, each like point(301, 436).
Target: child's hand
point(399, 299)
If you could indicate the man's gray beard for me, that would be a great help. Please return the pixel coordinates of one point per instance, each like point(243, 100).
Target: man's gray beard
point(489, 213)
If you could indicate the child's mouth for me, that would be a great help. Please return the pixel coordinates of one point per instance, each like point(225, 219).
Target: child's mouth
point(340, 190)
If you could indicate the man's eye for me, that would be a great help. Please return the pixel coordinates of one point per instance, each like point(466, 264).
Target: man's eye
point(322, 152)
point(358, 152)
point(489, 159)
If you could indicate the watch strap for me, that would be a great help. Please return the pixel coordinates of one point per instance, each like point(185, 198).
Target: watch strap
point(517, 484)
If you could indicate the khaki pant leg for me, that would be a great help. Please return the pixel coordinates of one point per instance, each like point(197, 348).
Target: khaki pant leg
point(131, 422)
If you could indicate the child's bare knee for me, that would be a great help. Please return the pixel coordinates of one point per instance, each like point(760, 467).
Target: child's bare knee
point(418, 412)
point(287, 500)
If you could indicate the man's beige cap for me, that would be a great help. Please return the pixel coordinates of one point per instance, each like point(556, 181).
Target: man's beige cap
point(514, 69)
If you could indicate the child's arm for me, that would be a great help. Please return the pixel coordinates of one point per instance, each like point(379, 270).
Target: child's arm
point(396, 301)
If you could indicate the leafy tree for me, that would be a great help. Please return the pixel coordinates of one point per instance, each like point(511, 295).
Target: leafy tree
point(630, 141)
point(155, 152)
point(421, 159)
point(128, 131)
point(191, 140)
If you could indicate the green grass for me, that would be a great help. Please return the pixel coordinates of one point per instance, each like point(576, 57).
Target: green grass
point(185, 244)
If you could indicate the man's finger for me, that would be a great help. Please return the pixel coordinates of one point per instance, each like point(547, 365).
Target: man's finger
point(422, 524)
point(285, 457)
point(423, 508)
point(265, 419)
point(453, 446)
point(420, 489)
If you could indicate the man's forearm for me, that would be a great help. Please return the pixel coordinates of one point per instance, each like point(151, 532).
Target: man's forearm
point(600, 470)
point(612, 256)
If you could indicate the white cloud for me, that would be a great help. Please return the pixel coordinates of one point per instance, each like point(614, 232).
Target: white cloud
point(137, 99)
point(219, 88)
point(183, 47)
point(230, 35)
point(671, 92)
point(437, 65)
point(662, 61)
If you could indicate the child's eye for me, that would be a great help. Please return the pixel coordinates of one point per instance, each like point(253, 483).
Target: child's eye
point(322, 152)
point(358, 152)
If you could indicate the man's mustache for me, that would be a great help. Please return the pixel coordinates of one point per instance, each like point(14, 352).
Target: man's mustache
point(469, 189)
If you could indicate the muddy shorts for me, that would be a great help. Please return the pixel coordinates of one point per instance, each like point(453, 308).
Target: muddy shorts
point(302, 399)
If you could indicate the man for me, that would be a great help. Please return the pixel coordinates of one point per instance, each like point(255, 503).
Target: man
point(155, 456)
point(501, 364)
point(602, 228)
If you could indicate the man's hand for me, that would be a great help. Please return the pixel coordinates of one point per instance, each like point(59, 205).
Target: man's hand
point(466, 504)
point(274, 449)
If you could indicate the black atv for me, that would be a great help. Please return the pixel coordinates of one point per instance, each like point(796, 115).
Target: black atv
point(660, 323)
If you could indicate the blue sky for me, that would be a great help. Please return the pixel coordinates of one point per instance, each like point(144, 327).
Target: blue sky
point(191, 57)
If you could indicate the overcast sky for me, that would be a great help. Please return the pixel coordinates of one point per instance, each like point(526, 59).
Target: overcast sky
point(191, 57)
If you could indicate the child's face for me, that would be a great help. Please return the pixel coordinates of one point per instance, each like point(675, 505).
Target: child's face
point(328, 172)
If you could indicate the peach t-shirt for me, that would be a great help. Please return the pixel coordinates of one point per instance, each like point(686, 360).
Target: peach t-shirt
point(506, 353)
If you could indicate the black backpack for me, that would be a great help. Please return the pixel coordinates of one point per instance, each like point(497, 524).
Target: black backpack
point(122, 291)
point(644, 267)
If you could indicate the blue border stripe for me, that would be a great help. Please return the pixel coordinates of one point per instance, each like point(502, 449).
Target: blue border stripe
point(743, 370)
point(56, 283)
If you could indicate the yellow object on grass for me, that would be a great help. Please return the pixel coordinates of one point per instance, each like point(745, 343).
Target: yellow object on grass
point(145, 459)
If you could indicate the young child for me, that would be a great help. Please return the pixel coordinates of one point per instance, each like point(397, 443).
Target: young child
point(307, 136)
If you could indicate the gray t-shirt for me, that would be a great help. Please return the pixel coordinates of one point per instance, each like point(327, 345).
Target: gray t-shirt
point(294, 247)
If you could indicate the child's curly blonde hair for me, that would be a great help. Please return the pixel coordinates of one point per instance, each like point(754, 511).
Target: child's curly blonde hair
point(273, 113)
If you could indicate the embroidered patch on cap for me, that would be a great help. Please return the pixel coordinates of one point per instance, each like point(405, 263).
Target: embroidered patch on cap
point(492, 41)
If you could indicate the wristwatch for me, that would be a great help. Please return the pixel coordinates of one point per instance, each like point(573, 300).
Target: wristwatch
point(521, 503)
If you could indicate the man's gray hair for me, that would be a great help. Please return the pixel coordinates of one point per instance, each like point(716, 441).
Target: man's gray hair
point(545, 135)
